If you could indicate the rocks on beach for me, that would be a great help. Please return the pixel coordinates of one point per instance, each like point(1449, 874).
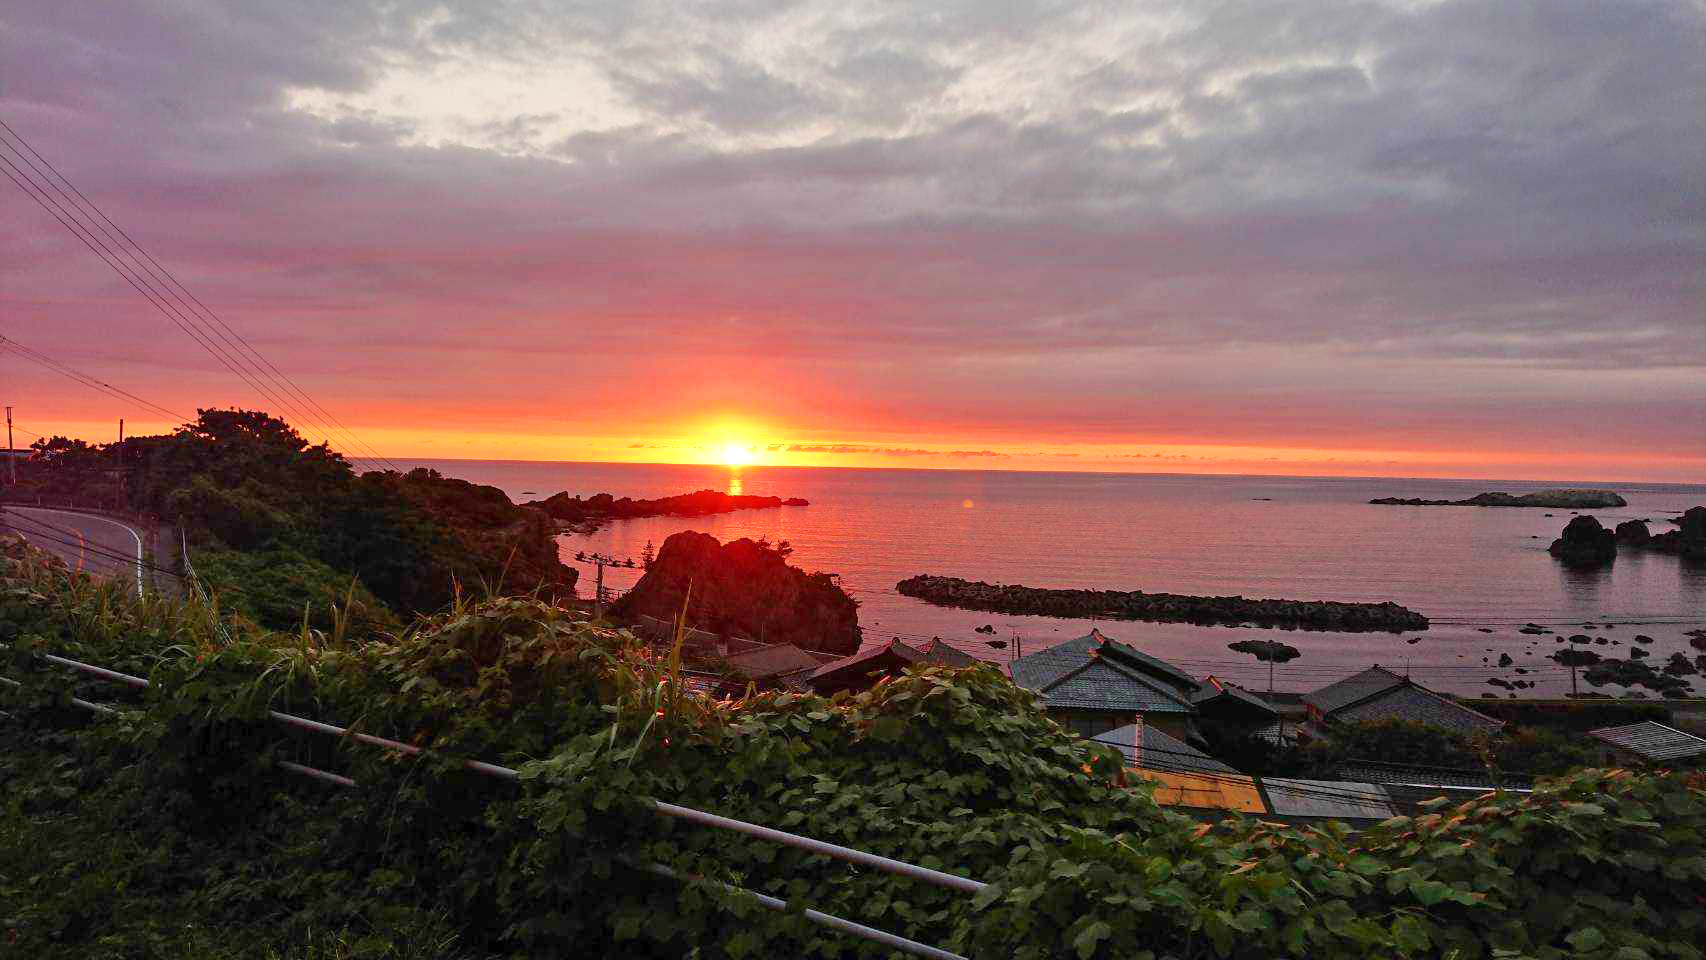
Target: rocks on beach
point(1564, 499)
point(1585, 543)
point(1169, 607)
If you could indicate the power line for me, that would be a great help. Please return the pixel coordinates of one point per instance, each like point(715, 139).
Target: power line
point(36, 356)
point(209, 331)
point(168, 280)
point(82, 543)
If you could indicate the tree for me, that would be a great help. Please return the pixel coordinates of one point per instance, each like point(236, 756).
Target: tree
point(648, 555)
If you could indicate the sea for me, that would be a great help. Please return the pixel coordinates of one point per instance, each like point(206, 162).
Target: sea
point(1479, 574)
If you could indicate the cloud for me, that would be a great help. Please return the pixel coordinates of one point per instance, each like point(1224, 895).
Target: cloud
point(1454, 223)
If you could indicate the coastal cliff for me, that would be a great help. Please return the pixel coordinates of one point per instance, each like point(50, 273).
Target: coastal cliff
point(1557, 499)
point(744, 588)
point(577, 513)
point(1169, 607)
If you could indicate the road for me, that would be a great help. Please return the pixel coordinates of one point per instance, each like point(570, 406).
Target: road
point(85, 541)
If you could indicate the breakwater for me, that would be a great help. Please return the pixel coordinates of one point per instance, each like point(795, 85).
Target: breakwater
point(1168, 607)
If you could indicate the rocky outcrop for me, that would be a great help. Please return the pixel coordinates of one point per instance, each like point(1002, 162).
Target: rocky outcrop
point(1632, 533)
point(1584, 543)
point(1168, 607)
point(1560, 499)
point(744, 588)
point(581, 514)
point(1688, 541)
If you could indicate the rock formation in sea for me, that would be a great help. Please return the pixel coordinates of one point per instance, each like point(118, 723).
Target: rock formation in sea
point(744, 588)
point(1632, 533)
point(1563, 499)
point(1584, 543)
point(581, 514)
point(1688, 541)
point(1170, 607)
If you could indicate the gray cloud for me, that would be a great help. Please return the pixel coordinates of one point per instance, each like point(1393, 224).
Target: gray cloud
point(1282, 214)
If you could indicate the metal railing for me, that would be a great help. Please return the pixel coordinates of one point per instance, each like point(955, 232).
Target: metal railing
point(848, 854)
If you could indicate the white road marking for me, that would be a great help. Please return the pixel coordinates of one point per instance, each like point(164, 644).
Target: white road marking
point(125, 527)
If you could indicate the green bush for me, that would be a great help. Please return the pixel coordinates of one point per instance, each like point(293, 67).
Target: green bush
point(170, 830)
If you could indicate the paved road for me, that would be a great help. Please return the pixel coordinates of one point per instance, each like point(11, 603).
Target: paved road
point(85, 541)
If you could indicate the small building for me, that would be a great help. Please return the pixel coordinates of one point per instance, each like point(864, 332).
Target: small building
point(1224, 702)
point(1379, 694)
point(780, 666)
point(862, 670)
point(1648, 742)
point(1093, 685)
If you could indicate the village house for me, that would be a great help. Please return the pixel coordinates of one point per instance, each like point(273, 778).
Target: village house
point(1093, 685)
point(1648, 743)
point(1379, 694)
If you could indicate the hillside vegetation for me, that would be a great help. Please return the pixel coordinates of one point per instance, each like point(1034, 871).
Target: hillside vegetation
point(171, 831)
point(282, 528)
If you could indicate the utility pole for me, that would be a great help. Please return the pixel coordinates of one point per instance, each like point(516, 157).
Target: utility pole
point(601, 561)
point(123, 493)
point(11, 459)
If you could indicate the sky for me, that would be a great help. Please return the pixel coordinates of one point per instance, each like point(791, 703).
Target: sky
point(1320, 237)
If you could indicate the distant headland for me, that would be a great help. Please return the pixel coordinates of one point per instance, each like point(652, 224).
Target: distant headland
point(1167, 607)
point(579, 514)
point(1559, 499)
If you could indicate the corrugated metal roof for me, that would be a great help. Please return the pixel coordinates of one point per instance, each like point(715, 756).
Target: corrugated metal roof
point(1652, 740)
point(1334, 799)
point(1417, 705)
point(1149, 747)
point(1353, 688)
point(1212, 791)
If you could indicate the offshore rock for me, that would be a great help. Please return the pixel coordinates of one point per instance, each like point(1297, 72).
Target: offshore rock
point(1688, 541)
point(1564, 499)
point(1632, 533)
point(1584, 543)
point(583, 514)
point(744, 588)
point(1165, 607)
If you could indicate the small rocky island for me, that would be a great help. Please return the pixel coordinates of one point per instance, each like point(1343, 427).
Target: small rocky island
point(1557, 499)
point(1585, 543)
point(579, 515)
point(744, 588)
point(1165, 607)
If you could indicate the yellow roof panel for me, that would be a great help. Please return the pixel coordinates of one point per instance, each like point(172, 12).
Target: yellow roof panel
point(1213, 791)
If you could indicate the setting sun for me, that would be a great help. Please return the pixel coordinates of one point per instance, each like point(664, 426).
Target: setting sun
point(735, 455)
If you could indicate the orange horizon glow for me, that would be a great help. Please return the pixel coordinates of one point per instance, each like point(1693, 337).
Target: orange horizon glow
point(743, 444)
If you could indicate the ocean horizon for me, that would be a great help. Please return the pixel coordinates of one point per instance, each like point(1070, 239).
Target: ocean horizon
point(1469, 569)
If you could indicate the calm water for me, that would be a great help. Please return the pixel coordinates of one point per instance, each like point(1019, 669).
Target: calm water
point(1315, 539)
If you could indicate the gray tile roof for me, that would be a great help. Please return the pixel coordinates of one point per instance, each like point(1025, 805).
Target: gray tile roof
point(1101, 684)
point(1415, 704)
point(1160, 751)
point(1652, 740)
point(1357, 687)
point(1094, 673)
point(1214, 689)
point(770, 661)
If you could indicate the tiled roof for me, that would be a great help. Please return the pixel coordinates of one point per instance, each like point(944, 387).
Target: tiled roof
point(1094, 673)
point(1214, 688)
point(938, 651)
point(1103, 684)
point(770, 661)
point(1415, 704)
point(1652, 740)
point(1150, 748)
point(892, 649)
point(1352, 689)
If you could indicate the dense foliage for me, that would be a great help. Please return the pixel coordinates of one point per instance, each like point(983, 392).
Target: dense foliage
point(170, 830)
point(280, 527)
